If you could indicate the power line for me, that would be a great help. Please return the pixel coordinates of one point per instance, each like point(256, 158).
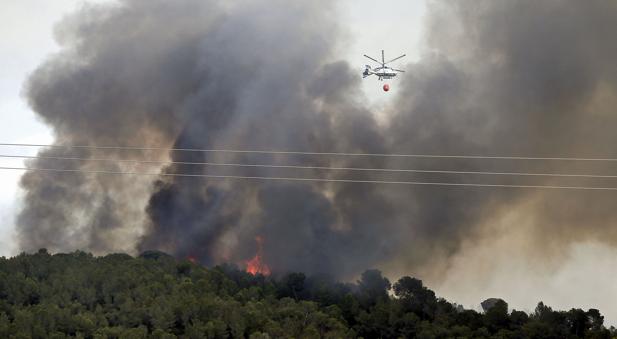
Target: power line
point(316, 179)
point(393, 170)
point(489, 157)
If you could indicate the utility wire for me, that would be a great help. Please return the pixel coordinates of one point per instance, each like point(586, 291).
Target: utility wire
point(312, 153)
point(316, 179)
point(392, 170)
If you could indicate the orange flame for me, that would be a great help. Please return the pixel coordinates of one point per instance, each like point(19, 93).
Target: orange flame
point(256, 265)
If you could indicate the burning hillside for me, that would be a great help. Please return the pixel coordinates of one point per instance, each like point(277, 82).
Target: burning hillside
point(498, 77)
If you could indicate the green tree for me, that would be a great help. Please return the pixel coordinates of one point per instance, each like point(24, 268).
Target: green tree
point(496, 314)
point(415, 297)
point(373, 286)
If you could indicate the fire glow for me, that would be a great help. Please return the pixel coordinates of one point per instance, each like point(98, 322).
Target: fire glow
point(256, 265)
point(192, 259)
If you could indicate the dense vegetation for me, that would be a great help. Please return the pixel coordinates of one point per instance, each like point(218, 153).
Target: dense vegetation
point(154, 295)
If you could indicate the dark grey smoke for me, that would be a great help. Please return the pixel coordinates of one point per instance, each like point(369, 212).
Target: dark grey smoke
point(499, 77)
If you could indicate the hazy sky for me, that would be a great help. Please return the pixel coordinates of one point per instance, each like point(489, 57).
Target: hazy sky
point(26, 39)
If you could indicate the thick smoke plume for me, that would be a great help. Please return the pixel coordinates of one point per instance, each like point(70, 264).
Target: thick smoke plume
point(498, 77)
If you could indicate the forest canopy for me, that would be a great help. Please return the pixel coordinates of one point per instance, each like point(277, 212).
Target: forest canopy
point(155, 295)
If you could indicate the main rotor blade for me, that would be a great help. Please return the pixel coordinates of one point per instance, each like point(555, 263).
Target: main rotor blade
point(383, 57)
point(396, 58)
point(372, 59)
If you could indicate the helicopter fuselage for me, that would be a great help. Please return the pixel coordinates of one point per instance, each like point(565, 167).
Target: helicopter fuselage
point(381, 73)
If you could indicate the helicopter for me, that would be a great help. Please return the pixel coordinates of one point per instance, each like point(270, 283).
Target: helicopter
point(382, 72)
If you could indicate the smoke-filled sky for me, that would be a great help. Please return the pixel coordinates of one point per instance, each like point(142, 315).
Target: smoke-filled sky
point(522, 78)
